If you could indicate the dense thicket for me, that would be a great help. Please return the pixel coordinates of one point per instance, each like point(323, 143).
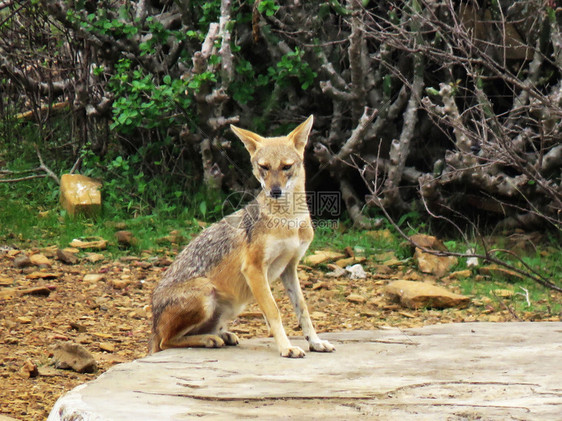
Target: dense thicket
point(453, 107)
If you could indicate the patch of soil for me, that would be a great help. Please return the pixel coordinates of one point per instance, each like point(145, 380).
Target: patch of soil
point(110, 316)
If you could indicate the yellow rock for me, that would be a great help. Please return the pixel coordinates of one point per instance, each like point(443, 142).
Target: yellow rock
point(322, 256)
point(80, 194)
point(356, 298)
point(342, 263)
point(107, 346)
point(423, 294)
point(436, 265)
point(40, 259)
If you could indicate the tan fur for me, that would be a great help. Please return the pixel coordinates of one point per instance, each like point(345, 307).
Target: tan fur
point(230, 262)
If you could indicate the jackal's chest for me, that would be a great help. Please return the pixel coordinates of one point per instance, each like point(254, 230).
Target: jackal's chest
point(279, 252)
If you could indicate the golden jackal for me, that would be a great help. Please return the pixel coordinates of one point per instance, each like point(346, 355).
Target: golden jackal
point(217, 274)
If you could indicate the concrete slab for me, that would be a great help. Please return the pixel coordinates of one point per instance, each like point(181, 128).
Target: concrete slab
point(492, 371)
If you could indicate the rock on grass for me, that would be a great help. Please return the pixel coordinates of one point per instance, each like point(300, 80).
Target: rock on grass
point(74, 357)
point(423, 294)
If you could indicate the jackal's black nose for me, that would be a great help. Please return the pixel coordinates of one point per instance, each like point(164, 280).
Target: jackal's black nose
point(276, 192)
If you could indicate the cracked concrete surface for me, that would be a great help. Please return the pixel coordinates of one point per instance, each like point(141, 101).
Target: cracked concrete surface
point(492, 371)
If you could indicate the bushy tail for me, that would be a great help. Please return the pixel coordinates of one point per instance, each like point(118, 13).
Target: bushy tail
point(153, 344)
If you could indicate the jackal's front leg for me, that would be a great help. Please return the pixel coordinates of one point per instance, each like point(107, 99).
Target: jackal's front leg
point(292, 285)
point(257, 280)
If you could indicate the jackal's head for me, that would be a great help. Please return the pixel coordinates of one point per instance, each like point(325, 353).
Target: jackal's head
point(277, 162)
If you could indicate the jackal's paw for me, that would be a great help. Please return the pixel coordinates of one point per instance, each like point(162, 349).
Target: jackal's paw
point(229, 338)
point(293, 352)
point(321, 346)
point(212, 341)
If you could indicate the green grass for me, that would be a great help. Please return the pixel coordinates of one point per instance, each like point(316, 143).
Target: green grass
point(342, 235)
point(527, 296)
point(37, 220)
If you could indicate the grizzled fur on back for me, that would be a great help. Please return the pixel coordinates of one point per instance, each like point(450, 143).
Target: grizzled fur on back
point(210, 247)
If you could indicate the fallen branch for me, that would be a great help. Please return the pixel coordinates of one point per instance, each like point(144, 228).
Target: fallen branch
point(43, 167)
point(16, 180)
point(47, 107)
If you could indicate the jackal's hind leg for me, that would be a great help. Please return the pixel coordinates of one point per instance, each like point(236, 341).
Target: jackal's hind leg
point(189, 319)
point(194, 341)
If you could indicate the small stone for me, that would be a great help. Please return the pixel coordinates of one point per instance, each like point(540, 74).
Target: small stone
point(5, 281)
point(47, 372)
point(28, 370)
point(22, 261)
point(125, 328)
point(77, 327)
point(94, 277)
point(393, 262)
point(320, 285)
point(163, 262)
point(356, 298)
point(94, 257)
point(348, 261)
point(120, 283)
point(369, 313)
point(428, 242)
point(40, 260)
point(75, 357)
point(336, 272)
point(138, 314)
point(66, 257)
point(41, 275)
point(42, 290)
point(322, 256)
point(96, 244)
point(356, 271)
point(107, 347)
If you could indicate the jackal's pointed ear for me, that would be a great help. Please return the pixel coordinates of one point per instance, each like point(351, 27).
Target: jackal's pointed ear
point(299, 136)
point(250, 139)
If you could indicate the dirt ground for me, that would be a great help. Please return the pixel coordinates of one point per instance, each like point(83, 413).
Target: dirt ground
point(110, 315)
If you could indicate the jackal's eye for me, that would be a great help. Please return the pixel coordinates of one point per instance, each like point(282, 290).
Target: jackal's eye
point(287, 167)
point(264, 167)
